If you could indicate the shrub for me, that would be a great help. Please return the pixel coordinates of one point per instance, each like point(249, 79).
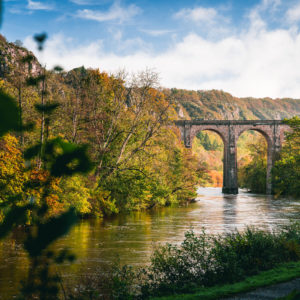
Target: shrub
point(210, 260)
point(201, 260)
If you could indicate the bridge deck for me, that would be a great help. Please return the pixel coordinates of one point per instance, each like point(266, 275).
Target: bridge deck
point(228, 122)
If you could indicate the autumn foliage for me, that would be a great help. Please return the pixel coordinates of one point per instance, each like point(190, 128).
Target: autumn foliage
point(139, 159)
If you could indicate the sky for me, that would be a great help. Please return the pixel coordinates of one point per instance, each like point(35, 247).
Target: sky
point(249, 48)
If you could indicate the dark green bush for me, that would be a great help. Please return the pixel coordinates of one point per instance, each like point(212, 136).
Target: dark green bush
point(206, 261)
point(201, 260)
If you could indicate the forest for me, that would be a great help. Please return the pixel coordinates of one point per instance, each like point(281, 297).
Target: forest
point(126, 123)
point(137, 157)
point(85, 143)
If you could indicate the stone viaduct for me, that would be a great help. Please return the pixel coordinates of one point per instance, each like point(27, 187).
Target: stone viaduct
point(229, 131)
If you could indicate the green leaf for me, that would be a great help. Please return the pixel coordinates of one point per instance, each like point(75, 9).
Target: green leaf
point(64, 158)
point(28, 127)
point(58, 69)
point(15, 216)
point(69, 163)
point(9, 114)
point(32, 151)
point(40, 39)
point(33, 81)
point(46, 108)
point(49, 232)
point(64, 255)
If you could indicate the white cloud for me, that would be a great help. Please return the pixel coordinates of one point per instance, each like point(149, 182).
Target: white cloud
point(266, 63)
point(293, 14)
point(257, 62)
point(264, 10)
point(36, 5)
point(81, 2)
point(158, 32)
point(117, 35)
point(198, 14)
point(89, 2)
point(115, 13)
point(269, 4)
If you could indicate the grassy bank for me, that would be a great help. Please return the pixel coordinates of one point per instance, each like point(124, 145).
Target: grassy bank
point(282, 273)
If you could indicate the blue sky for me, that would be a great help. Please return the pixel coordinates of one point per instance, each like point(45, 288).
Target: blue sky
point(248, 48)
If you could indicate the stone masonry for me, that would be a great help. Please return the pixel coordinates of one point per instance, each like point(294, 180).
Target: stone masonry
point(229, 131)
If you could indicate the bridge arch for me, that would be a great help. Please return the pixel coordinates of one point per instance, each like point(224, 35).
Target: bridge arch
point(265, 134)
point(230, 130)
point(214, 129)
point(267, 151)
point(219, 132)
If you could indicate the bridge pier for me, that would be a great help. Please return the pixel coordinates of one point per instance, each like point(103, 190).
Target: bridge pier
point(230, 182)
point(229, 131)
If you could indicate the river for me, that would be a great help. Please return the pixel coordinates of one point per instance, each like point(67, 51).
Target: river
point(131, 237)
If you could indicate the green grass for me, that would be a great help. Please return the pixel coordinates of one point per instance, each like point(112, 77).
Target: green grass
point(282, 273)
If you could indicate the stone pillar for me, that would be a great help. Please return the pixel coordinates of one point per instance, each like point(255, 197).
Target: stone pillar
point(269, 168)
point(230, 185)
point(187, 135)
point(277, 141)
point(225, 158)
point(274, 147)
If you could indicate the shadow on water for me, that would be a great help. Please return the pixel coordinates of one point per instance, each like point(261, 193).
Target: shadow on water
point(132, 236)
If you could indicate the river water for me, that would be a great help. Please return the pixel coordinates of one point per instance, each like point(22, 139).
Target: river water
point(131, 238)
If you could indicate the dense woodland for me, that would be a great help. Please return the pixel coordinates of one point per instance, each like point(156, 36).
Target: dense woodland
point(285, 173)
point(127, 122)
point(219, 105)
point(138, 159)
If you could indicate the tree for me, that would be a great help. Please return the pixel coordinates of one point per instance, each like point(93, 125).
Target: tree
point(12, 168)
point(253, 175)
point(59, 159)
point(286, 172)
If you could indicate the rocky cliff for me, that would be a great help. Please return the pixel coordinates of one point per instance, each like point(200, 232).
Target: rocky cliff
point(215, 104)
point(11, 55)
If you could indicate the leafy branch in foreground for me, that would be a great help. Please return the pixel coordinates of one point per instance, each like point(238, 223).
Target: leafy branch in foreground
point(58, 158)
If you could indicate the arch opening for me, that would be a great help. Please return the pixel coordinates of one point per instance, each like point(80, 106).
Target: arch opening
point(253, 163)
point(208, 145)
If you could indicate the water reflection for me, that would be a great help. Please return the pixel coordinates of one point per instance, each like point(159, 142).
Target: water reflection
point(229, 212)
point(131, 237)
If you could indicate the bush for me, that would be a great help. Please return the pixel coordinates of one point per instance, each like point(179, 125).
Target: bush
point(74, 193)
point(206, 260)
point(200, 261)
point(286, 171)
point(111, 282)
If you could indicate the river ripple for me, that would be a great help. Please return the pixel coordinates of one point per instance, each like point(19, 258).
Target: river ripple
point(132, 237)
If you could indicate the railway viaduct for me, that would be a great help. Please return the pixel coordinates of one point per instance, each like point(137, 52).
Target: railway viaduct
point(229, 131)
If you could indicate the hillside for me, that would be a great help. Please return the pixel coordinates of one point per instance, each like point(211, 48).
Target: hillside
point(11, 55)
point(216, 104)
point(75, 92)
point(213, 104)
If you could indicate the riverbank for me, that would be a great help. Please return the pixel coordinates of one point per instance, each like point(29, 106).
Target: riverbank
point(131, 237)
point(216, 263)
point(281, 274)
